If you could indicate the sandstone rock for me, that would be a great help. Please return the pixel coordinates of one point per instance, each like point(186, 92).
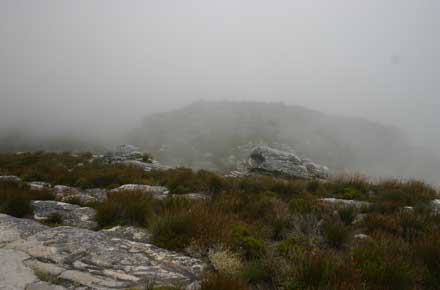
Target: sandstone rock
point(130, 233)
point(155, 191)
point(267, 160)
point(99, 261)
point(74, 215)
point(436, 206)
point(63, 190)
point(39, 185)
point(14, 274)
point(345, 202)
point(12, 228)
point(41, 285)
point(10, 178)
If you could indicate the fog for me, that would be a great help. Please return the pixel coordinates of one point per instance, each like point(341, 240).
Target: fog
point(99, 67)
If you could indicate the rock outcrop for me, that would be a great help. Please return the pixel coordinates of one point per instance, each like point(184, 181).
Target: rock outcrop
point(75, 258)
point(71, 214)
point(267, 160)
point(155, 191)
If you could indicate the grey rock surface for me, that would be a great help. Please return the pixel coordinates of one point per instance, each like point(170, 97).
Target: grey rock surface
point(12, 228)
point(72, 214)
point(95, 260)
point(9, 178)
point(345, 202)
point(14, 274)
point(155, 191)
point(130, 233)
point(267, 160)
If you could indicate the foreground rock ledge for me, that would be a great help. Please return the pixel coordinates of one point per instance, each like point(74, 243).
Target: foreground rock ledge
point(75, 256)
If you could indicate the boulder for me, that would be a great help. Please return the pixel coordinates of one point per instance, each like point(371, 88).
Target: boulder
point(72, 214)
point(267, 160)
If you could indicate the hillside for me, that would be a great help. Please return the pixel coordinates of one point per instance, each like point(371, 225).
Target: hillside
point(209, 134)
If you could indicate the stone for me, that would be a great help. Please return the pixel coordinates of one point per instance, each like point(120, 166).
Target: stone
point(39, 185)
point(361, 236)
point(63, 190)
point(12, 228)
point(155, 191)
point(10, 178)
point(72, 214)
point(14, 274)
point(270, 161)
point(130, 233)
point(101, 261)
point(435, 204)
point(345, 202)
point(41, 285)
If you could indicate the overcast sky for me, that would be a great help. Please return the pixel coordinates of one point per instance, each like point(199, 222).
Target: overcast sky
point(105, 64)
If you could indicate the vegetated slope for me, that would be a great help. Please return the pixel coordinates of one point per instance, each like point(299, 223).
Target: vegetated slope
point(206, 134)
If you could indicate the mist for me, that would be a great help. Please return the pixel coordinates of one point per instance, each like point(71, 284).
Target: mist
point(95, 69)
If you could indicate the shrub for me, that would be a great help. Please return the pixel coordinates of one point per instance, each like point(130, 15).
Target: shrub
point(347, 215)
point(129, 208)
point(244, 242)
point(221, 281)
point(336, 234)
point(427, 250)
point(172, 231)
point(383, 265)
point(54, 218)
point(15, 200)
point(225, 261)
point(313, 271)
point(204, 224)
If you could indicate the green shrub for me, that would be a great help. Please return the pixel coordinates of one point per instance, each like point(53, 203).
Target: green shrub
point(336, 234)
point(128, 208)
point(54, 219)
point(347, 215)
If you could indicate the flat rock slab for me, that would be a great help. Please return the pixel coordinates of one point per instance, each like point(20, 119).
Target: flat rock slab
point(345, 202)
point(12, 229)
point(130, 233)
point(72, 214)
point(14, 274)
point(96, 259)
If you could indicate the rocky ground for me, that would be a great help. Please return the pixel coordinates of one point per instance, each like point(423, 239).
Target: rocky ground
point(36, 256)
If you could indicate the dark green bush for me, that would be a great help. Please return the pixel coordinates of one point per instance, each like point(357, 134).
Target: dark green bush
point(54, 219)
point(336, 234)
point(347, 215)
point(15, 199)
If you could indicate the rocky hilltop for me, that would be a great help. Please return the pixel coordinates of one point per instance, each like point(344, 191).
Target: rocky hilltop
point(210, 135)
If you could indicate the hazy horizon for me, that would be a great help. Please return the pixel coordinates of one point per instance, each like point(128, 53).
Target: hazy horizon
point(100, 67)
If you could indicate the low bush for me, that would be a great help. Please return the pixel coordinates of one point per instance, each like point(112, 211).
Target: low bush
point(202, 224)
point(347, 215)
point(127, 208)
point(54, 219)
point(427, 251)
point(225, 261)
point(219, 281)
point(15, 199)
point(384, 264)
point(336, 235)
